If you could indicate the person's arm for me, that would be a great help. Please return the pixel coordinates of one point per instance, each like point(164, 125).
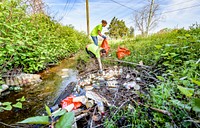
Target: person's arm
point(100, 65)
point(99, 33)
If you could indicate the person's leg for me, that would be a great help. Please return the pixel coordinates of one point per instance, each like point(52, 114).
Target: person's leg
point(90, 53)
point(95, 39)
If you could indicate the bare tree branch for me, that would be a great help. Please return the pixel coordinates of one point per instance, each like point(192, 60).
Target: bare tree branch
point(146, 19)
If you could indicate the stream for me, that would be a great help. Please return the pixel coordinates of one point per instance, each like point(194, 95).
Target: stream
point(54, 80)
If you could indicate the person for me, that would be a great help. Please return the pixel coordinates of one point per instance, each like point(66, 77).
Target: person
point(96, 52)
point(97, 31)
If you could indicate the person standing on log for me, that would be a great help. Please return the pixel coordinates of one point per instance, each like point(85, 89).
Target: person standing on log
point(97, 31)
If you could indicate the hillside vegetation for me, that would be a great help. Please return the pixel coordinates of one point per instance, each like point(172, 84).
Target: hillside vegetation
point(175, 59)
point(31, 42)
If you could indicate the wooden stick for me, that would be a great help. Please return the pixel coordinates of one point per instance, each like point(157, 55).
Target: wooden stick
point(155, 109)
point(120, 107)
point(10, 126)
point(121, 61)
point(93, 115)
point(81, 116)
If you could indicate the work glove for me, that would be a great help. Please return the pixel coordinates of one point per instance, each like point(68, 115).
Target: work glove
point(103, 36)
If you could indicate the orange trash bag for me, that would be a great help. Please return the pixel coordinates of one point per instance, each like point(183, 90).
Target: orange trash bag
point(122, 52)
point(69, 100)
point(105, 45)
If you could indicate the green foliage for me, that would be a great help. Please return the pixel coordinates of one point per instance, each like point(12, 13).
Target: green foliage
point(174, 55)
point(17, 105)
point(186, 91)
point(32, 42)
point(131, 32)
point(196, 82)
point(36, 120)
point(21, 99)
point(48, 110)
point(60, 118)
point(59, 113)
point(196, 104)
point(66, 120)
point(8, 105)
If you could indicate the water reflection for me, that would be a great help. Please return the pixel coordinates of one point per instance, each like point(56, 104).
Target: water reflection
point(55, 79)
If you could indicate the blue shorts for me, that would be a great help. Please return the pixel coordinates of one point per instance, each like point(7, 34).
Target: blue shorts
point(95, 39)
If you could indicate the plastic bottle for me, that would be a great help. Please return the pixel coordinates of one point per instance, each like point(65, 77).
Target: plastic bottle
point(54, 108)
point(81, 99)
point(100, 107)
point(69, 108)
point(120, 71)
point(3, 87)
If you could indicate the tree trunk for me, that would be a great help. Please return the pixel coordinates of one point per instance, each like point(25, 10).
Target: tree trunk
point(150, 17)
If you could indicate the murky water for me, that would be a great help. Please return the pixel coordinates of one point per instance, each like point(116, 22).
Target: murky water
point(54, 81)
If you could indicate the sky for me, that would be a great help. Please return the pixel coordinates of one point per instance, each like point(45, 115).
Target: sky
point(175, 13)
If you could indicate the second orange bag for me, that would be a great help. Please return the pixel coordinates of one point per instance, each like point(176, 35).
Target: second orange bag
point(122, 52)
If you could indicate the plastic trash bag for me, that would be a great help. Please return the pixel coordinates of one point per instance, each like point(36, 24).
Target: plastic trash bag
point(105, 45)
point(122, 52)
point(68, 101)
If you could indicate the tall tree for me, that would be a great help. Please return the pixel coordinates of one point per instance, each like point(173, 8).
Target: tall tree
point(117, 28)
point(35, 6)
point(146, 19)
point(131, 31)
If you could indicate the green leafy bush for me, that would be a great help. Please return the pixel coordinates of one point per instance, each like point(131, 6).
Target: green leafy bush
point(8, 105)
point(32, 42)
point(60, 118)
point(175, 56)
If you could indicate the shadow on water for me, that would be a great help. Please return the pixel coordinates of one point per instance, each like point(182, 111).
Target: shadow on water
point(54, 80)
